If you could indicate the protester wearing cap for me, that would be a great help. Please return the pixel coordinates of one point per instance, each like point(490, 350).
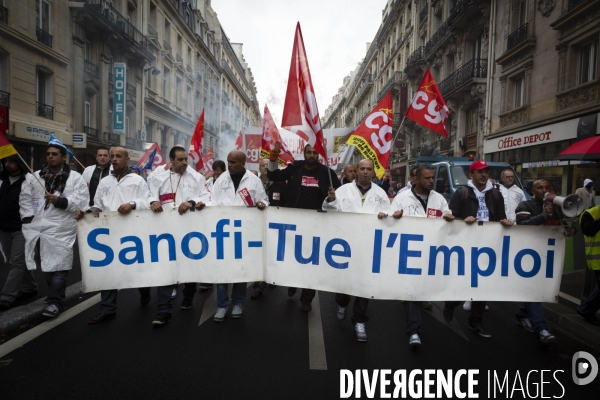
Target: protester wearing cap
point(478, 201)
point(49, 200)
point(587, 194)
point(20, 281)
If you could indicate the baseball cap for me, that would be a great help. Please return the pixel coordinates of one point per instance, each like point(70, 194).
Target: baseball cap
point(478, 166)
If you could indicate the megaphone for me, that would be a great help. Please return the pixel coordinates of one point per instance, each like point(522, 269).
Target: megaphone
point(571, 206)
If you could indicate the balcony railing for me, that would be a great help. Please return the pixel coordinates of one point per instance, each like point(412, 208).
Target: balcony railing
point(368, 81)
point(113, 138)
point(4, 99)
point(389, 84)
point(122, 24)
point(167, 46)
point(152, 31)
point(438, 37)
point(44, 37)
point(130, 89)
point(460, 6)
point(423, 13)
point(575, 3)
point(130, 142)
point(476, 68)
point(517, 37)
point(44, 110)
point(178, 58)
point(90, 67)
point(91, 132)
point(417, 56)
point(4, 15)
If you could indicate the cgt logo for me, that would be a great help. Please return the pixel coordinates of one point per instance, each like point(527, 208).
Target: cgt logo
point(584, 364)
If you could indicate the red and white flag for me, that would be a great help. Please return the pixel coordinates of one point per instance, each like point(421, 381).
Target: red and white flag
point(239, 142)
point(195, 151)
point(153, 154)
point(300, 113)
point(270, 135)
point(373, 137)
point(208, 160)
point(428, 107)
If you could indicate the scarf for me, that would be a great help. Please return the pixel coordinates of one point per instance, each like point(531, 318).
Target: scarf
point(55, 182)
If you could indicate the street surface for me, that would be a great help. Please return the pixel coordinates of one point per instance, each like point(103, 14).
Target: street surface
point(274, 352)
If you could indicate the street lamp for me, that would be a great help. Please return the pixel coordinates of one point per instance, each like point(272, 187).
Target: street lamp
point(155, 71)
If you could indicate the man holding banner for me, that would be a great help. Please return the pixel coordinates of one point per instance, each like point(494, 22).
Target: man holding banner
point(235, 187)
point(423, 202)
point(122, 191)
point(308, 183)
point(177, 187)
point(361, 196)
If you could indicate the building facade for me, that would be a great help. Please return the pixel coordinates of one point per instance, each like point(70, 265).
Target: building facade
point(56, 74)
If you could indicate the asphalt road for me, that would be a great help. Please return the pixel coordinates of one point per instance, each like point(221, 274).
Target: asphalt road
point(267, 354)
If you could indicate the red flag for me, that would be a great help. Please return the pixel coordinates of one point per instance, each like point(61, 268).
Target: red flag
point(195, 151)
point(6, 149)
point(428, 108)
point(158, 157)
point(270, 135)
point(373, 137)
point(239, 142)
point(300, 113)
point(208, 160)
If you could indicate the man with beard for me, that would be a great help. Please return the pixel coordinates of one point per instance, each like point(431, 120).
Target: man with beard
point(47, 215)
point(365, 197)
point(122, 191)
point(308, 183)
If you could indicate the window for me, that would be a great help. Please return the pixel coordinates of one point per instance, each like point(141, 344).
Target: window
point(149, 78)
point(518, 92)
point(472, 121)
point(42, 15)
point(4, 70)
point(87, 110)
point(178, 91)
point(519, 14)
point(86, 51)
point(476, 49)
point(587, 69)
point(166, 78)
point(44, 94)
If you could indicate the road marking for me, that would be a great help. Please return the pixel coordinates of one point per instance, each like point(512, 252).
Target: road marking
point(437, 313)
point(44, 327)
point(210, 305)
point(570, 298)
point(316, 342)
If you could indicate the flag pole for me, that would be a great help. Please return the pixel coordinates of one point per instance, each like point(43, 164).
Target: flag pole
point(398, 131)
point(36, 178)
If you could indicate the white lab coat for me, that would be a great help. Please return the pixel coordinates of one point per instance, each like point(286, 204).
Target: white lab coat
point(112, 193)
point(512, 197)
point(224, 194)
point(348, 199)
point(437, 206)
point(54, 227)
point(89, 171)
point(191, 186)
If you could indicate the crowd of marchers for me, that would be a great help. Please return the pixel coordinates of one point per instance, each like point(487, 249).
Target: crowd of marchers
point(40, 213)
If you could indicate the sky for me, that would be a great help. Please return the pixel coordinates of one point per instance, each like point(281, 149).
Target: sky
point(335, 36)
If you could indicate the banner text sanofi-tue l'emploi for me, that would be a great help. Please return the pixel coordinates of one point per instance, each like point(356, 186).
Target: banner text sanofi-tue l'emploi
point(357, 254)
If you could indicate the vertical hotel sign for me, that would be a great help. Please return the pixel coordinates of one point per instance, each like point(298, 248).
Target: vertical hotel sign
point(119, 98)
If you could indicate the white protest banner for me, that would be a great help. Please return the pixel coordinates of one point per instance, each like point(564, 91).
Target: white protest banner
point(357, 254)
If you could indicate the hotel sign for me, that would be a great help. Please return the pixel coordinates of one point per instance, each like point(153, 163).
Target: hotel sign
point(119, 98)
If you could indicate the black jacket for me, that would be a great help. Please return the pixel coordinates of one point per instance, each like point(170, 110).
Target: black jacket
point(293, 175)
point(10, 220)
point(530, 212)
point(464, 206)
point(276, 193)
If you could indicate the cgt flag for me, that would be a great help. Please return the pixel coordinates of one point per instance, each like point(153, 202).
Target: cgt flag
point(239, 142)
point(195, 151)
point(373, 137)
point(208, 160)
point(6, 149)
point(152, 158)
point(270, 136)
point(428, 108)
point(300, 113)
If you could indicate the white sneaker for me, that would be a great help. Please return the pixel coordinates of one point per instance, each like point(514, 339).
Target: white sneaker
point(174, 294)
point(341, 313)
point(220, 314)
point(237, 311)
point(414, 340)
point(467, 306)
point(361, 333)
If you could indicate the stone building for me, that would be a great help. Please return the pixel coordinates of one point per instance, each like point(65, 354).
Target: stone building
point(56, 73)
point(545, 88)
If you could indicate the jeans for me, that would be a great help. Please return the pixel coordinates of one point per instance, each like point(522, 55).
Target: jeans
point(57, 287)
point(591, 305)
point(535, 313)
point(477, 309)
point(413, 317)
point(189, 290)
point(19, 278)
point(359, 311)
point(163, 294)
point(238, 294)
point(108, 303)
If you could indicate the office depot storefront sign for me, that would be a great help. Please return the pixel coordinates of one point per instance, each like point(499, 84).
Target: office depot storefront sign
point(546, 134)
